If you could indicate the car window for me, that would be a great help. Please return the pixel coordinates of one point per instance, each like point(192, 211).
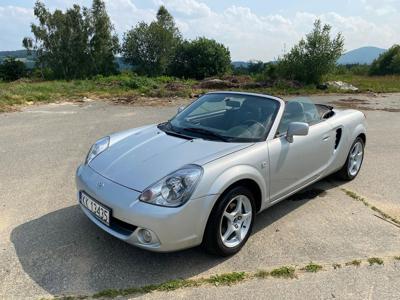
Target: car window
point(298, 110)
point(236, 117)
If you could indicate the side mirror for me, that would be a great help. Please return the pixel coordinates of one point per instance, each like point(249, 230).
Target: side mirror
point(181, 108)
point(296, 128)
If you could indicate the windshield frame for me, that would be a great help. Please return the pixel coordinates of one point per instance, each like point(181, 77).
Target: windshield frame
point(267, 134)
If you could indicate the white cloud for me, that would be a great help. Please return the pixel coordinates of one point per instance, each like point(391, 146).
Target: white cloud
point(190, 8)
point(253, 36)
point(124, 14)
point(247, 33)
point(14, 26)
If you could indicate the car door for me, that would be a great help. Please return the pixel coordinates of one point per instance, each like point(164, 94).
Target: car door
point(293, 165)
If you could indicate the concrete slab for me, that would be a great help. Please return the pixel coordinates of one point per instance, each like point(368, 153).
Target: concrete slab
point(48, 247)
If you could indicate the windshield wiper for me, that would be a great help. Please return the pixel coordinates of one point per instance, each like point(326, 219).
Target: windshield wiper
point(207, 133)
point(172, 131)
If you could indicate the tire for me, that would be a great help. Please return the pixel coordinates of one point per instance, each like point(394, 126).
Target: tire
point(226, 217)
point(348, 173)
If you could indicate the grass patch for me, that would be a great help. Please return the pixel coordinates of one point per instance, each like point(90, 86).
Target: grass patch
point(336, 266)
point(397, 257)
point(283, 272)
point(125, 84)
point(261, 274)
point(376, 84)
point(171, 285)
point(375, 261)
point(128, 85)
point(354, 262)
point(374, 208)
point(312, 268)
point(226, 279)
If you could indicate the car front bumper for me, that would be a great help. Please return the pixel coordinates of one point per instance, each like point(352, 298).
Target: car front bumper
point(171, 228)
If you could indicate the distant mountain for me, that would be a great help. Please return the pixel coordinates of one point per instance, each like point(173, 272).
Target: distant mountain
point(240, 64)
point(21, 55)
point(363, 55)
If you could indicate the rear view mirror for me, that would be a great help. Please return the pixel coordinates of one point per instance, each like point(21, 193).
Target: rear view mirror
point(296, 128)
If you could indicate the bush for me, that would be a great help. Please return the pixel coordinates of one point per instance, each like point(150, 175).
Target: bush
point(12, 69)
point(313, 57)
point(200, 58)
point(388, 63)
point(352, 69)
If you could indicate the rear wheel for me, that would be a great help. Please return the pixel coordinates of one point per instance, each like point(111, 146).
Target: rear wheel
point(230, 223)
point(354, 161)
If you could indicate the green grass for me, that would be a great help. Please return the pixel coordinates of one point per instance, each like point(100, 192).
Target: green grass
point(283, 272)
point(226, 279)
point(397, 257)
point(23, 92)
point(312, 268)
point(163, 287)
point(128, 85)
point(375, 261)
point(377, 84)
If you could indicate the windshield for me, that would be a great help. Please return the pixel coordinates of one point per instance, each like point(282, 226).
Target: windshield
point(227, 117)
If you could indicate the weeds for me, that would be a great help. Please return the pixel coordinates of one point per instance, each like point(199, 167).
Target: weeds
point(374, 208)
point(261, 274)
point(283, 272)
point(311, 267)
point(226, 279)
point(336, 266)
point(355, 262)
point(375, 260)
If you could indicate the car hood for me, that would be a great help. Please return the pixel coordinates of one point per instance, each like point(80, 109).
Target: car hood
point(144, 156)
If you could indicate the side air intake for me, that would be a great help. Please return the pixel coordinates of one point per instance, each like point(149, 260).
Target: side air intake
point(338, 137)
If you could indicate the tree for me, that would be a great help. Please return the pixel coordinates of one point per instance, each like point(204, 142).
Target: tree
point(77, 43)
point(313, 57)
point(12, 69)
point(150, 48)
point(200, 58)
point(103, 41)
point(387, 63)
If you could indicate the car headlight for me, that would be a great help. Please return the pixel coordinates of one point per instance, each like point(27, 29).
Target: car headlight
point(174, 189)
point(97, 148)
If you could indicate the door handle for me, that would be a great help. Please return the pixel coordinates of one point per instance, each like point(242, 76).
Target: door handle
point(325, 138)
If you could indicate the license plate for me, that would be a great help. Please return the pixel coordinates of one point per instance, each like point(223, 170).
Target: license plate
point(101, 212)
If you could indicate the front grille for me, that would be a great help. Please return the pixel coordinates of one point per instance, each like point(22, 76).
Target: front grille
point(121, 226)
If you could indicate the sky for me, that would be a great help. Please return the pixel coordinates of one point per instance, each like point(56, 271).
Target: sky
point(252, 29)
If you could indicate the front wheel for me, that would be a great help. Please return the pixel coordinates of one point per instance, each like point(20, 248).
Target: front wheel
point(354, 161)
point(230, 222)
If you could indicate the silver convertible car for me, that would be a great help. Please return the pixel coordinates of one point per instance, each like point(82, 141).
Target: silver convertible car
point(201, 177)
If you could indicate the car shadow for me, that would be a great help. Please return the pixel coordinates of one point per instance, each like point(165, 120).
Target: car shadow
point(65, 253)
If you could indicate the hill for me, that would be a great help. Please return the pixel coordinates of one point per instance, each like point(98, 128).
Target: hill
point(363, 55)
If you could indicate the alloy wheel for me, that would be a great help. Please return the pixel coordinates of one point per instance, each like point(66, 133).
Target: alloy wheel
point(355, 159)
point(236, 221)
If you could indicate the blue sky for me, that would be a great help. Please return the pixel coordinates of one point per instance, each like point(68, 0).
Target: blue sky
point(252, 29)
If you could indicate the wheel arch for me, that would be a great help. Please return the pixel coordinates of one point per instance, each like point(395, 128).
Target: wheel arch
point(363, 137)
point(242, 175)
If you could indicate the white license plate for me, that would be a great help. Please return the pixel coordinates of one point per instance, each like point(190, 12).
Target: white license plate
point(101, 212)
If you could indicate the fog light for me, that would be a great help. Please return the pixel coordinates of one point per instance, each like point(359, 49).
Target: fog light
point(145, 236)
